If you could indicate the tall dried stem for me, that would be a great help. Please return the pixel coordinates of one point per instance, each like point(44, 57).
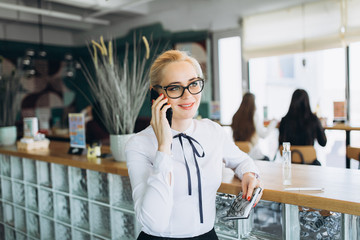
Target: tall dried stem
point(119, 89)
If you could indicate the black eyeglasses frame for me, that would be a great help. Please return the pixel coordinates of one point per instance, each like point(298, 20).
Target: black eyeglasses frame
point(184, 88)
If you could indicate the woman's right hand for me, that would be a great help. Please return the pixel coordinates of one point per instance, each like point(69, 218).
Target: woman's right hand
point(160, 124)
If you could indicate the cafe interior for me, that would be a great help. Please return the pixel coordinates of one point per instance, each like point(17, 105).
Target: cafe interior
point(60, 176)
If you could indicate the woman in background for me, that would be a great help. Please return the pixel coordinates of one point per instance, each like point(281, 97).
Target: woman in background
point(175, 171)
point(300, 126)
point(247, 126)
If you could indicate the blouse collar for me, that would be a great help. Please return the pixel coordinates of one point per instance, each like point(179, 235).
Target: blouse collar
point(188, 131)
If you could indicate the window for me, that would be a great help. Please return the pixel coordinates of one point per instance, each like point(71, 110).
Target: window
point(320, 73)
point(354, 87)
point(229, 74)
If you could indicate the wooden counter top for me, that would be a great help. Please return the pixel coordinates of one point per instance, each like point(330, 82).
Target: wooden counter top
point(341, 186)
point(343, 126)
point(57, 153)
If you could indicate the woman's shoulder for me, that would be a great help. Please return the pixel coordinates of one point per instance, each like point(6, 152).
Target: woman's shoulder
point(205, 122)
point(142, 138)
point(206, 125)
point(282, 122)
point(316, 121)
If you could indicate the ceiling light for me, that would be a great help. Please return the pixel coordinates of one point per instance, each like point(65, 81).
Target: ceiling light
point(55, 14)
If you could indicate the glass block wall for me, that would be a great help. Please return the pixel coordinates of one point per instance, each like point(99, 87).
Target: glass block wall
point(40, 200)
point(265, 222)
point(267, 219)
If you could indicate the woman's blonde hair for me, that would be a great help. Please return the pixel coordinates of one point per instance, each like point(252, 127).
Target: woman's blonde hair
point(168, 57)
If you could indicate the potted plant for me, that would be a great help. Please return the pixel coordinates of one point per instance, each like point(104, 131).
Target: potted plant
point(10, 86)
point(119, 89)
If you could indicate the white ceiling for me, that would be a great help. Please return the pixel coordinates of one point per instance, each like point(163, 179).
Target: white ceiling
point(86, 15)
point(71, 14)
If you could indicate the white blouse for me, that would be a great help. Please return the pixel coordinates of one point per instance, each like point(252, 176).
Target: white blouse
point(262, 132)
point(165, 208)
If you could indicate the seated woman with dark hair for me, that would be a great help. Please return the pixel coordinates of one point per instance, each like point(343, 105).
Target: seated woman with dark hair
point(247, 126)
point(300, 126)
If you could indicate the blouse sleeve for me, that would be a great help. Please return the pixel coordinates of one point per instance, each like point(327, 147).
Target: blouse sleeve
point(262, 131)
point(236, 159)
point(151, 189)
point(320, 133)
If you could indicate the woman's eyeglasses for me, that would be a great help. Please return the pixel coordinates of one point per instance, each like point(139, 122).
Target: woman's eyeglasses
point(176, 91)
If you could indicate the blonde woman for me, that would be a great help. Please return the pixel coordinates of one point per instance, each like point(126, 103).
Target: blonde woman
point(175, 171)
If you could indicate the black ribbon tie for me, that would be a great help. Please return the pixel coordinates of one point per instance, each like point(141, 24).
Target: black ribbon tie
point(196, 154)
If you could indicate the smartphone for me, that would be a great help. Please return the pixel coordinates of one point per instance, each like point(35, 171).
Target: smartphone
point(240, 208)
point(154, 95)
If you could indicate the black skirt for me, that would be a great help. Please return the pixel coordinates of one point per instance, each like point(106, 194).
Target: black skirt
point(206, 236)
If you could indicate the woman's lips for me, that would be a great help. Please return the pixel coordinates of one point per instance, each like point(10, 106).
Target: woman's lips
point(187, 106)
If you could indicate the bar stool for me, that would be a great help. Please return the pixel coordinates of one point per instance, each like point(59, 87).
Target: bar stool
point(244, 146)
point(302, 154)
point(354, 153)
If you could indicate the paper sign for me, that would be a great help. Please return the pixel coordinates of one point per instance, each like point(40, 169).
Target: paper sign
point(77, 130)
point(339, 111)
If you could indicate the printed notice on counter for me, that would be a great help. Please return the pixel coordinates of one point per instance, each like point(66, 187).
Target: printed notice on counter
point(77, 130)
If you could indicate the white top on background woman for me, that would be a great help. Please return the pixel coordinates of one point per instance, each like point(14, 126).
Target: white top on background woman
point(175, 172)
point(247, 126)
point(262, 132)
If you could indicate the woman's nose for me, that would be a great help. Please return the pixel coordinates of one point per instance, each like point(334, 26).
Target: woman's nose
point(186, 93)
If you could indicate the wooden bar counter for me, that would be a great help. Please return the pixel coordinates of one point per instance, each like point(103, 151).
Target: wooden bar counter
point(57, 153)
point(341, 186)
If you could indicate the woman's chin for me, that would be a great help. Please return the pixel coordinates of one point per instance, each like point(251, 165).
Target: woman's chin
point(180, 113)
point(185, 116)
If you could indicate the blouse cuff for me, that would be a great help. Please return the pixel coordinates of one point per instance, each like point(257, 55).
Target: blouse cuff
point(240, 173)
point(162, 162)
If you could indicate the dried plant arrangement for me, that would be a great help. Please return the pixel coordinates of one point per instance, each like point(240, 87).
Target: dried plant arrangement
point(118, 88)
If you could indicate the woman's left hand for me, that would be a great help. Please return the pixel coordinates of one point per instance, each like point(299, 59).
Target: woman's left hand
point(249, 183)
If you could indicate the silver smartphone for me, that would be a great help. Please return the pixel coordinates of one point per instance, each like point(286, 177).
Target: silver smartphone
point(241, 208)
